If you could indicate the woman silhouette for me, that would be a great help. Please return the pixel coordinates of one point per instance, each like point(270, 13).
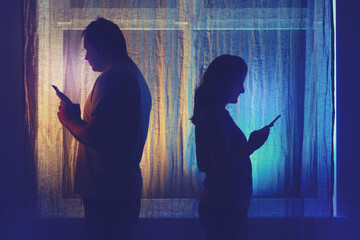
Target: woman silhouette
point(223, 151)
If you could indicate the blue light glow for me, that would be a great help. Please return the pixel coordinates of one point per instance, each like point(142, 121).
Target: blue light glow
point(335, 213)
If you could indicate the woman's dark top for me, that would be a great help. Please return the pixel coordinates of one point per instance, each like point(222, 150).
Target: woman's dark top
point(221, 152)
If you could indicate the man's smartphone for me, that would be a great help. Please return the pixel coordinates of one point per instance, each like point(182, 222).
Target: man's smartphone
point(272, 123)
point(61, 95)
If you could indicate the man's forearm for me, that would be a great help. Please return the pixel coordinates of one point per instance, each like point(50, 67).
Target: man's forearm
point(79, 130)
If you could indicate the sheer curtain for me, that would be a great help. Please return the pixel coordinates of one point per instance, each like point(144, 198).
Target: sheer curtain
point(288, 47)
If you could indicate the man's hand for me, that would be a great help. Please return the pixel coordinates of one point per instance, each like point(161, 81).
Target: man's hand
point(69, 113)
point(258, 137)
point(70, 116)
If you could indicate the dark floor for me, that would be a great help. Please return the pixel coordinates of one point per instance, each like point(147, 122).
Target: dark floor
point(190, 229)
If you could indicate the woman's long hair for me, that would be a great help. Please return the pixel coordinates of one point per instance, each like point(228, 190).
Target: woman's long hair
point(222, 72)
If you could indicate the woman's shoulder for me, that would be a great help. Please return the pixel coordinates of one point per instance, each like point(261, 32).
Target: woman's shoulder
point(214, 110)
point(213, 114)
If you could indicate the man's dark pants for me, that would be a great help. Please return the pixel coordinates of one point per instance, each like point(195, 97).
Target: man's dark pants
point(108, 219)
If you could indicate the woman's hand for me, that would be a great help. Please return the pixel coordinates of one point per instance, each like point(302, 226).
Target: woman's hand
point(257, 138)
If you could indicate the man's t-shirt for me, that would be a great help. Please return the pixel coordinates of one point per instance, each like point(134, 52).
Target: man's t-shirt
point(121, 102)
point(228, 172)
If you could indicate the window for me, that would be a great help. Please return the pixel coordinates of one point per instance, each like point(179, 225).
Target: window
point(288, 47)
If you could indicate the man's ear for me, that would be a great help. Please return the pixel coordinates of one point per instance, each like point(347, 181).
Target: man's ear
point(101, 47)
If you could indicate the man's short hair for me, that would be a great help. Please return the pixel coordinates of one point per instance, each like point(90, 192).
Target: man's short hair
point(107, 33)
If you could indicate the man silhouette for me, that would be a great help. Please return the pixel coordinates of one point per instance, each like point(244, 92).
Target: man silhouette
point(112, 134)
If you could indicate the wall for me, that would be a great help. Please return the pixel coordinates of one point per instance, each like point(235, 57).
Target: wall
point(348, 52)
point(11, 121)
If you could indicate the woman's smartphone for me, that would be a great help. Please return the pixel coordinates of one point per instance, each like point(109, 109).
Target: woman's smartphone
point(272, 123)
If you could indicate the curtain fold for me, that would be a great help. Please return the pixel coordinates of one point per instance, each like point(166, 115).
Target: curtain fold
point(287, 45)
point(30, 100)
